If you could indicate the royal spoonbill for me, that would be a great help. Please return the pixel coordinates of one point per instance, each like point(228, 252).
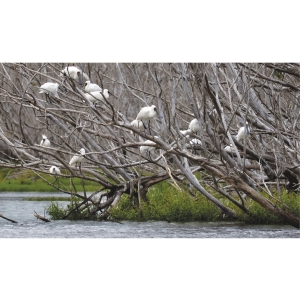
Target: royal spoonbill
point(242, 132)
point(186, 133)
point(77, 158)
point(74, 73)
point(49, 88)
point(45, 142)
point(147, 113)
point(195, 142)
point(194, 126)
point(229, 148)
point(137, 124)
point(55, 170)
point(97, 96)
point(148, 148)
point(91, 87)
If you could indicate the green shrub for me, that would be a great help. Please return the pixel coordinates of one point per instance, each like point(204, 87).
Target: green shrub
point(166, 203)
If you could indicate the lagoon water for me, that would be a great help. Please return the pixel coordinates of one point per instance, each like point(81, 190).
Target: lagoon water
point(14, 207)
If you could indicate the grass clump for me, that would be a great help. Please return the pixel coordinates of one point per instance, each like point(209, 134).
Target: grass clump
point(166, 203)
point(289, 202)
point(58, 212)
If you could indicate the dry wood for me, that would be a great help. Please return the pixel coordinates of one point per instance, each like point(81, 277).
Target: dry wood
point(1, 216)
point(41, 217)
point(222, 97)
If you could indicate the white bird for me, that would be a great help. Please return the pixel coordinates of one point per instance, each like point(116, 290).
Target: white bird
point(97, 96)
point(49, 88)
point(228, 148)
point(77, 158)
point(195, 142)
point(194, 126)
point(149, 146)
point(55, 170)
point(91, 87)
point(242, 132)
point(186, 133)
point(147, 113)
point(45, 142)
point(74, 73)
point(137, 124)
point(240, 135)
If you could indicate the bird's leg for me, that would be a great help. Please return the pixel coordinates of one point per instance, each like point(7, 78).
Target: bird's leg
point(149, 155)
point(145, 127)
point(149, 127)
point(80, 169)
point(55, 179)
point(48, 98)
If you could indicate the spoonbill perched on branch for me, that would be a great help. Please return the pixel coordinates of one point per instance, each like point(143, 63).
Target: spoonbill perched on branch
point(92, 87)
point(194, 126)
point(45, 142)
point(242, 132)
point(77, 158)
point(240, 135)
point(55, 170)
point(97, 96)
point(74, 73)
point(49, 88)
point(147, 113)
point(148, 148)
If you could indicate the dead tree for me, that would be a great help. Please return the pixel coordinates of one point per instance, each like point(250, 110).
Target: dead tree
point(222, 97)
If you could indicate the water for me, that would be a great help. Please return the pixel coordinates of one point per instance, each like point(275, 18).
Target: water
point(12, 206)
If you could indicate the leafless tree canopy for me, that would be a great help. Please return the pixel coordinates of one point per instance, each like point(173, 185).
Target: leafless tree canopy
point(223, 97)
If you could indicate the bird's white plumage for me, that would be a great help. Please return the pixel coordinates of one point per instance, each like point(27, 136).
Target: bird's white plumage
point(148, 148)
point(194, 126)
point(137, 124)
point(195, 142)
point(45, 142)
point(91, 87)
point(240, 135)
point(186, 133)
point(228, 149)
point(77, 158)
point(49, 88)
point(54, 170)
point(97, 96)
point(147, 113)
point(74, 73)
point(242, 132)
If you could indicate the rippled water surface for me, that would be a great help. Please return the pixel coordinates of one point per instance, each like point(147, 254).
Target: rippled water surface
point(14, 207)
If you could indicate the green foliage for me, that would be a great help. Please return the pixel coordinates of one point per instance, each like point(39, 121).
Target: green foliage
point(166, 203)
point(27, 181)
point(57, 212)
point(289, 202)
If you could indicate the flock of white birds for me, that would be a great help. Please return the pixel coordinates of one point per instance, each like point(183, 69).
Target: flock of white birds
point(94, 94)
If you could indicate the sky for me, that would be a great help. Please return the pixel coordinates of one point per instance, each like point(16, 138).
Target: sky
point(157, 31)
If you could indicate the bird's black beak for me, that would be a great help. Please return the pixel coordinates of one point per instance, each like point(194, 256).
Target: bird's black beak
point(112, 94)
point(79, 78)
point(247, 129)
